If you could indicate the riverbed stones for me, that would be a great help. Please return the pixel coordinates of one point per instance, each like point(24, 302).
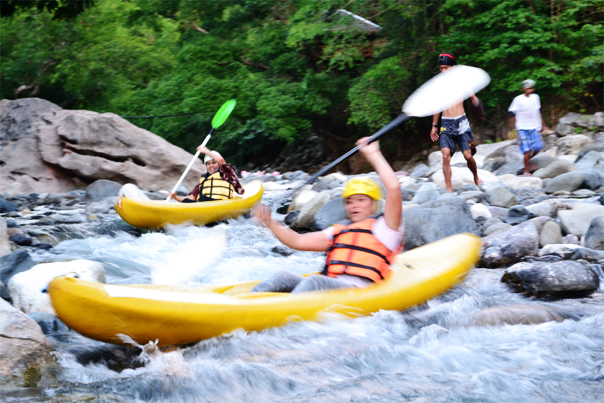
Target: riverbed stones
point(509, 246)
point(7, 207)
point(27, 288)
point(307, 213)
point(554, 169)
point(518, 214)
point(480, 210)
point(594, 237)
point(568, 182)
point(300, 199)
point(517, 182)
point(436, 220)
point(564, 279)
point(461, 176)
point(23, 347)
point(577, 220)
point(420, 170)
point(426, 193)
point(543, 209)
point(100, 189)
point(500, 197)
point(550, 234)
point(331, 213)
point(491, 229)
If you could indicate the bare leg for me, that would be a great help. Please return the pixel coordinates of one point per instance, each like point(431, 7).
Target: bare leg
point(527, 157)
point(447, 167)
point(472, 165)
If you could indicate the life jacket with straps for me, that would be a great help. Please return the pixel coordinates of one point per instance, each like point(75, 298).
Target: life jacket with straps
point(354, 250)
point(215, 187)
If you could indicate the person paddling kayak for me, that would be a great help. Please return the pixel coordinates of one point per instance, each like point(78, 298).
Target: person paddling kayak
point(360, 252)
point(219, 183)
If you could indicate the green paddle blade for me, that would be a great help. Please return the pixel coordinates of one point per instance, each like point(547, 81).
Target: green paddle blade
point(223, 113)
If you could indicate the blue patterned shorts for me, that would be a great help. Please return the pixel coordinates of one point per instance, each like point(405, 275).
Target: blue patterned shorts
point(457, 131)
point(530, 140)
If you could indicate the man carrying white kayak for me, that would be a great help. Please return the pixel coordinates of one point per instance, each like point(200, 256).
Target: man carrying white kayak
point(218, 183)
point(360, 252)
point(454, 129)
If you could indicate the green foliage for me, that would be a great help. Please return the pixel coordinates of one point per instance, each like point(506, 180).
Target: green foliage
point(296, 67)
point(578, 130)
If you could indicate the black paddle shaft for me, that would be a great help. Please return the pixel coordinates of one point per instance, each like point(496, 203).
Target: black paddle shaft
point(394, 123)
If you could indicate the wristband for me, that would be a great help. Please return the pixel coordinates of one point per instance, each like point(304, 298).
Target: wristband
point(434, 125)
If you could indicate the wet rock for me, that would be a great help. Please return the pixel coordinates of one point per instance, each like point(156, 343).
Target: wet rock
point(543, 209)
point(550, 234)
point(426, 193)
point(517, 182)
point(21, 240)
point(527, 195)
point(518, 315)
point(572, 144)
point(565, 279)
point(518, 214)
point(6, 206)
point(101, 207)
point(106, 228)
point(569, 182)
point(509, 246)
point(301, 198)
point(437, 220)
point(496, 228)
point(291, 217)
point(590, 255)
point(11, 223)
point(69, 219)
point(556, 168)
point(102, 189)
point(27, 288)
point(577, 220)
point(48, 323)
point(23, 347)
point(321, 186)
point(307, 213)
point(560, 250)
point(46, 221)
point(592, 179)
point(331, 213)
point(480, 210)
point(499, 212)
point(594, 237)
point(420, 170)
point(11, 264)
point(500, 197)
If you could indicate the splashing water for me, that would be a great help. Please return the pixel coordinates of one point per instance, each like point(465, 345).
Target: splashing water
point(477, 343)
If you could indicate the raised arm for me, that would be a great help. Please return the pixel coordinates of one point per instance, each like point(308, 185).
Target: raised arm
point(394, 202)
point(313, 241)
point(216, 157)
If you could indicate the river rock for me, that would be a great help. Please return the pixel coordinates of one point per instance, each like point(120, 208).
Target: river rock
point(7, 207)
point(437, 220)
point(11, 264)
point(480, 210)
point(517, 182)
point(591, 160)
point(500, 197)
point(588, 254)
point(592, 179)
point(420, 170)
point(594, 237)
point(542, 161)
point(48, 323)
point(554, 169)
point(300, 199)
point(572, 144)
point(21, 240)
point(461, 176)
point(512, 154)
point(550, 234)
point(509, 246)
point(571, 239)
point(511, 168)
point(4, 242)
point(307, 213)
point(568, 182)
point(427, 192)
point(564, 279)
point(331, 213)
point(577, 220)
point(561, 250)
point(518, 214)
point(493, 164)
point(496, 228)
point(23, 347)
point(499, 212)
point(518, 315)
point(27, 288)
point(543, 209)
point(101, 189)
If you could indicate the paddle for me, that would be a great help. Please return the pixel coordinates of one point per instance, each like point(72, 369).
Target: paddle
point(441, 92)
point(220, 117)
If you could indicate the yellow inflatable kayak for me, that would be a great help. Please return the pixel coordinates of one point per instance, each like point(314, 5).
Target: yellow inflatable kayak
point(157, 213)
point(175, 315)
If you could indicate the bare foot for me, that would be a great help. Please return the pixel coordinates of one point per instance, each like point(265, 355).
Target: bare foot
point(527, 174)
point(478, 181)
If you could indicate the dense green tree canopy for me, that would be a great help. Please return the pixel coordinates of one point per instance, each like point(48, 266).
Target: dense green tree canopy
point(297, 68)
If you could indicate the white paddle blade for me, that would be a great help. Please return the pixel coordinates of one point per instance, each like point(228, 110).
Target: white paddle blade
point(446, 90)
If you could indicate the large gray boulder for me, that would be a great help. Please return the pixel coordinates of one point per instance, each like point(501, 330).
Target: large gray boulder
point(572, 144)
point(554, 169)
point(568, 182)
point(437, 220)
point(565, 279)
point(331, 213)
point(577, 220)
point(594, 237)
point(307, 213)
point(46, 149)
point(500, 197)
point(102, 189)
point(509, 246)
point(11, 264)
point(591, 179)
point(591, 160)
point(427, 192)
point(550, 234)
point(23, 347)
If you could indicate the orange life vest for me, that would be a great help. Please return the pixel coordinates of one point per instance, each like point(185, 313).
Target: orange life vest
point(356, 251)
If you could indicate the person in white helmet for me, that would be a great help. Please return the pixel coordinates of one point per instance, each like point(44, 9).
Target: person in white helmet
point(218, 183)
point(525, 114)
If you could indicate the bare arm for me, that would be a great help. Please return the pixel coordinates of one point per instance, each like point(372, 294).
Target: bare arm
point(212, 154)
point(313, 241)
point(434, 131)
point(394, 202)
point(176, 197)
point(543, 125)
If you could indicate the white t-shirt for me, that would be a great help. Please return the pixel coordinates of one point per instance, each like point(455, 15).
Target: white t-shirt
point(528, 112)
point(386, 235)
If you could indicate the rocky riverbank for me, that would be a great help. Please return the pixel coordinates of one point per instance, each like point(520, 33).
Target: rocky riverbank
point(543, 235)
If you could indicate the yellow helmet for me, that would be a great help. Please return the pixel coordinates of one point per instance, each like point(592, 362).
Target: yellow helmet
point(362, 186)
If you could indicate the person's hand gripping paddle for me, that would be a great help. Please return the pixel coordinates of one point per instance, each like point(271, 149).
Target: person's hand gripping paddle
point(441, 92)
point(220, 117)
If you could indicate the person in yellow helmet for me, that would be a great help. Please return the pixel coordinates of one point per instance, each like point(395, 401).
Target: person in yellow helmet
point(359, 253)
point(218, 183)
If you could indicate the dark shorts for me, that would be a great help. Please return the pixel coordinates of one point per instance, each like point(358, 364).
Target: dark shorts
point(457, 131)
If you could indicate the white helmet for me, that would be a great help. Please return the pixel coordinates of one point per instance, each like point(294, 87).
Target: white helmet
point(209, 158)
point(528, 83)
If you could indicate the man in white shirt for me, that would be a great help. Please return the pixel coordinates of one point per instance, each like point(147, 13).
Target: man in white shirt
point(525, 114)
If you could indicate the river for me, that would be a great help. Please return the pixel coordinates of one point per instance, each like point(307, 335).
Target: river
point(452, 349)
